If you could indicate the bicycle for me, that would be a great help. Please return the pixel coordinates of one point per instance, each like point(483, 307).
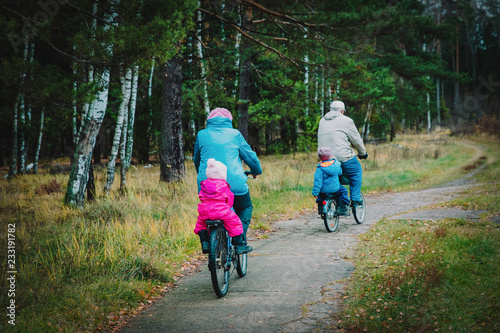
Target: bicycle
point(330, 215)
point(222, 256)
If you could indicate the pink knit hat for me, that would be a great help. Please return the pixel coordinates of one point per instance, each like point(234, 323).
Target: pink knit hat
point(216, 169)
point(220, 112)
point(324, 153)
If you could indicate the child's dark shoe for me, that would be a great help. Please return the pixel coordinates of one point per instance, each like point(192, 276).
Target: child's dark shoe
point(240, 245)
point(342, 210)
point(240, 249)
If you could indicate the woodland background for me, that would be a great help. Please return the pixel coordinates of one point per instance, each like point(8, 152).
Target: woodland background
point(133, 80)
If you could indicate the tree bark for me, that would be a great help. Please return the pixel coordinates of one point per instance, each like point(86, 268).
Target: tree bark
point(15, 148)
point(206, 102)
point(171, 146)
point(126, 81)
point(35, 168)
point(77, 183)
point(366, 125)
point(130, 131)
point(245, 76)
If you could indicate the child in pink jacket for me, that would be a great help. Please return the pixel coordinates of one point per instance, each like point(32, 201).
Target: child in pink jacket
point(216, 204)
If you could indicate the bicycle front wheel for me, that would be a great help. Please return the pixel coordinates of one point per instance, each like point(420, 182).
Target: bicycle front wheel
point(217, 261)
point(331, 217)
point(241, 265)
point(359, 211)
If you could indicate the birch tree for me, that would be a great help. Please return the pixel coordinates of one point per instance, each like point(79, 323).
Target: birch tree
point(77, 183)
point(126, 84)
point(206, 102)
point(126, 157)
point(39, 145)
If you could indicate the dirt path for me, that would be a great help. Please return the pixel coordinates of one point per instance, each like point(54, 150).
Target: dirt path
point(291, 281)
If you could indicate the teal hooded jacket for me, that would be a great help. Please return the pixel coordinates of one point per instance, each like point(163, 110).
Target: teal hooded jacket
point(225, 144)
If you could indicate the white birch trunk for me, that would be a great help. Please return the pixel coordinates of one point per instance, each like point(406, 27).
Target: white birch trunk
point(322, 97)
point(366, 126)
point(306, 82)
point(22, 115)
point(89, 76)
point(15, 148)
point(130, 130)
point(75, 106)
point(428, 114)
point(438, 103)
point(316, 84)
point(206, 102)
point(123, 148)
point(126, 81)
point(77, 183)
point(237, 43)
point(150, 93)
point(37, 155)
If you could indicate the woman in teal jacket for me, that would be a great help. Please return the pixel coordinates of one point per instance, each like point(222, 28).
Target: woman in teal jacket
point(226, 144)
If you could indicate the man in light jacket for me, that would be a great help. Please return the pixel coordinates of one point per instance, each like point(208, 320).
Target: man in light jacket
point(339, 133)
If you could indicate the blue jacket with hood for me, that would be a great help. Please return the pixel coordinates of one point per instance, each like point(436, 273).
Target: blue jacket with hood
point(326, 177)
point(225, 144)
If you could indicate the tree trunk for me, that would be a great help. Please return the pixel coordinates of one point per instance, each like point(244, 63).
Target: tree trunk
point(123, 149)
point(366, 126)
point(126, 81)
point(77, 183)
point(130, 131)
point(393, 127)
point(428, 113)
point(322, 97)
point(35, 168)
point(438, 103)
point(206, 102)
point(145, 154)
point(237, 44)
point(306, 82)
point(15, 148)
point(245, 77)
point(171, 147)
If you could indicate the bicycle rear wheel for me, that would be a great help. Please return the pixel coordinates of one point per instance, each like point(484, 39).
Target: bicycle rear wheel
point(241, 265)
point(217, 260)
point(331, 217)
point(359, 211)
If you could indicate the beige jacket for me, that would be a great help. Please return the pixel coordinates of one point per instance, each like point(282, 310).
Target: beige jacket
point(339, 132)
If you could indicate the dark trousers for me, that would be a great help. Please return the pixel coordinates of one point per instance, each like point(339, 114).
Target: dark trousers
point(243, 207)
point(341, 197)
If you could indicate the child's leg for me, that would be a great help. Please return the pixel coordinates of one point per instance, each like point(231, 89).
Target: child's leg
point(233, 224)
point(201, 224)
point(342, 201)
point(321, 197)
point(342, 196)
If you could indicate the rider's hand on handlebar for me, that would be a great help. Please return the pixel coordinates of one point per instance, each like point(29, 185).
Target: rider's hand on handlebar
point(363, 157)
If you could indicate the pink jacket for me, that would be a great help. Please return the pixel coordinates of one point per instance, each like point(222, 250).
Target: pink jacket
point(217, 195)
point(216, 202)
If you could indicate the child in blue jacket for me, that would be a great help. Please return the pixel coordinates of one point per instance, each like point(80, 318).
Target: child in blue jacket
point(326, 181)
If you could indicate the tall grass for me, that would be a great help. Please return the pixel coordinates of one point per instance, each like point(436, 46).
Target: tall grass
point(81, 269)
point(431, 275)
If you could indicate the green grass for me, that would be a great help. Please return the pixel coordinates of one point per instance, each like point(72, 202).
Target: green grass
point(82, 269)
point(425, 275)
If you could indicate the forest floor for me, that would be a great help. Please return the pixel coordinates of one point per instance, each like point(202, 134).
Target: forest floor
point(296, 274)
